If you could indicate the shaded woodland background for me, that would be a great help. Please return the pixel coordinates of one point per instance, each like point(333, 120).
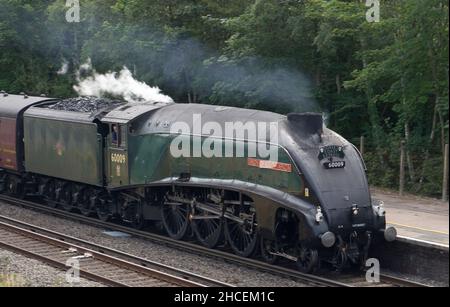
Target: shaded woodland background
point(386, 81)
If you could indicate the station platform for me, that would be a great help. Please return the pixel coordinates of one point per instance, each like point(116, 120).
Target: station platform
point(419, 218)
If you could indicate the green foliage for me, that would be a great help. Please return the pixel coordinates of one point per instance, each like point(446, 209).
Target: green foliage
point(387, 81)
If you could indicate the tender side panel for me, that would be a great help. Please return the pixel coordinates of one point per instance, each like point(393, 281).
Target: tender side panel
point(8, 149)
point(63, 149)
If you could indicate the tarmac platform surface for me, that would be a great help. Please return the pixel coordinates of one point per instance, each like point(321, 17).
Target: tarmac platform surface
point(419, 218)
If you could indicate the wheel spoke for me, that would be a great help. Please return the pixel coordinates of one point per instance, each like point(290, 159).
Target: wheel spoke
point(241, 239)
point(308, 259)
point(209, 232)
point(175, 220)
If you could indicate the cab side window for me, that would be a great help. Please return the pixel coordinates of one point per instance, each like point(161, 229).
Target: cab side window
point(123, 136)
point(115, 135)
point(119, 135)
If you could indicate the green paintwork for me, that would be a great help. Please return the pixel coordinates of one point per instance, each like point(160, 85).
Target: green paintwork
point(117, 160)
point(118, 167)
point(153, 161)
point(63, 149)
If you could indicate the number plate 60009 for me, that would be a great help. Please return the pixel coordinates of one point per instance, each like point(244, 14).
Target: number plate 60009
point(334, 164)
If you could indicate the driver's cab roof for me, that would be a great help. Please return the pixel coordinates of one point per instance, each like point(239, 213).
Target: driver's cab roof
point(124, 114)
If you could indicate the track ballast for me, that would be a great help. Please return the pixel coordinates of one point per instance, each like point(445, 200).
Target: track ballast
point(346, 280)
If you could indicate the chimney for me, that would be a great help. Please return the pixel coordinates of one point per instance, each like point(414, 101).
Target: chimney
point(306, 123)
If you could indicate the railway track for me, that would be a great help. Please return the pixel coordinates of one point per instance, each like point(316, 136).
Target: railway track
point(97, 263)
point(352, 280)
point(358, 280)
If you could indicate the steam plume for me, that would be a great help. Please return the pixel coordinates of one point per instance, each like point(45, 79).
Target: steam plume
point(64, 68)
point(121, 84)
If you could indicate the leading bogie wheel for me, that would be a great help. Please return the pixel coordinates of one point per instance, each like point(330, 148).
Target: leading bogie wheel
point(308, 259)
point(340, 260)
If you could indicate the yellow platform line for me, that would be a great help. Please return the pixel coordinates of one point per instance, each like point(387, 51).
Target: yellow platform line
point(418, 228)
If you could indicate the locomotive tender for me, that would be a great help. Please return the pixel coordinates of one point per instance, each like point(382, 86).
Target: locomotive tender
point(312, 204)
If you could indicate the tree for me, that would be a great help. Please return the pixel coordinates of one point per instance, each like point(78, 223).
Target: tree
point(387, 81)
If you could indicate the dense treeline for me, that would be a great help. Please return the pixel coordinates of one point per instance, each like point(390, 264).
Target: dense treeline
point(387, 81)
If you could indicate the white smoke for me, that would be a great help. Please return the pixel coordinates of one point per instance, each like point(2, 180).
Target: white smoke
point(85, 67)
point(64, 68)
point(121, 84)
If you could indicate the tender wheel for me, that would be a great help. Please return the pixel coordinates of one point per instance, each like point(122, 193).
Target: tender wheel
point(209, 232)
point(13, 187)
point(84, 203)
point(308, 259)
point(131, 212)
point(50, 193)
point(9, 186)
point(66, 198)
point(175, 218)
point(2, 183)
point(243, 235)
point(138, 222)
point(267, 248)
point(137, 219)
point(102, 209)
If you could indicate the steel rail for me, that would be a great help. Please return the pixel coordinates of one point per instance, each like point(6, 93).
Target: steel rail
point(200, 250)
point(401, 282)
point(102, 267)
point(116, 253)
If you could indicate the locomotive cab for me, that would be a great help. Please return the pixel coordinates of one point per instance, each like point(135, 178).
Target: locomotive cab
point(120, 122)
point(117, 155)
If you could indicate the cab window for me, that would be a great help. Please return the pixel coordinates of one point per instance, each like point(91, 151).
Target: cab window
point(123, 136)
point(115, 135)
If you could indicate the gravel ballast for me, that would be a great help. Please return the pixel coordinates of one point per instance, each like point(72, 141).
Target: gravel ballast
point(202, 265)
point(19, 271)
point(206, 266)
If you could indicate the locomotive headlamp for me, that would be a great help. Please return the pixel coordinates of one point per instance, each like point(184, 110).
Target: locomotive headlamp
point(319, 215)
